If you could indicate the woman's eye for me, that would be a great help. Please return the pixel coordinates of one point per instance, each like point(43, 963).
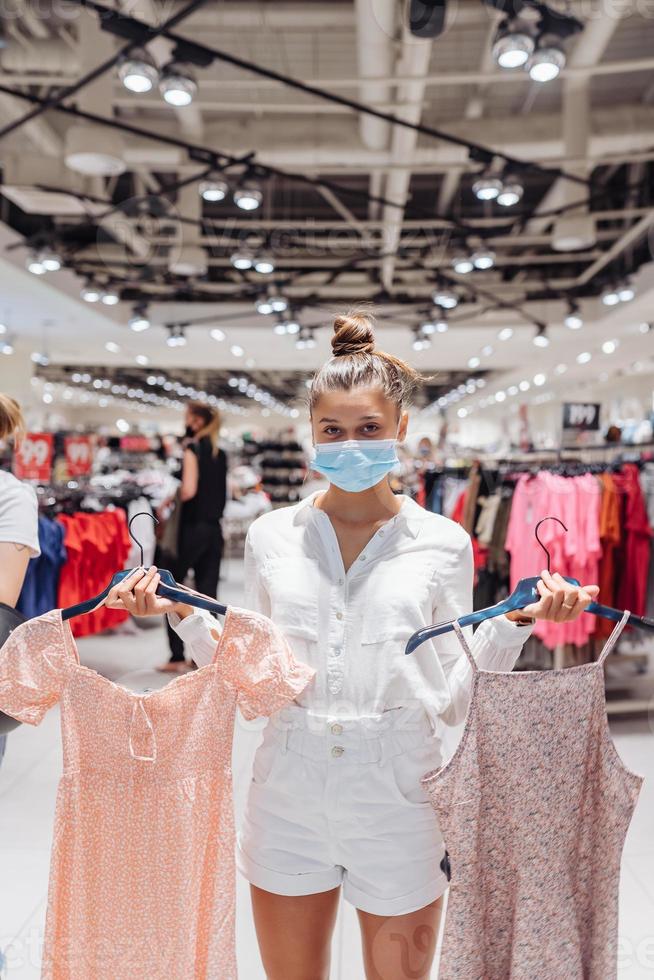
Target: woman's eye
point(331, 430)
point(371, 428)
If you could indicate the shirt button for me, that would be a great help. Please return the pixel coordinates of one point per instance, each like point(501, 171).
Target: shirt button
point(337, 751)
point(380, 533)
point(336, 729)
point(339, 615)
point(337, 651)
point(340, 581)
point(362, 557)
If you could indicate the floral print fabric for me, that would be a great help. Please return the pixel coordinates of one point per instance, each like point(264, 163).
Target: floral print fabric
point(142, 880)
point(534, 807)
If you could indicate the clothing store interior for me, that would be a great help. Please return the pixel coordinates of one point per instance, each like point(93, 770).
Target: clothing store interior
point(326, 490)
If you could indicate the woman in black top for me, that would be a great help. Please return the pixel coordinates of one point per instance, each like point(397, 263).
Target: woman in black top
point(203, 495)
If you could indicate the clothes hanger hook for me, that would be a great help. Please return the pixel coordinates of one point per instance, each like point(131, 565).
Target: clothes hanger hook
point(539, 540)
point(140, 513)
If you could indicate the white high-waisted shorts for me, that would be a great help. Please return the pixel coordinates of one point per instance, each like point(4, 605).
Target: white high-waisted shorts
point(335, 801)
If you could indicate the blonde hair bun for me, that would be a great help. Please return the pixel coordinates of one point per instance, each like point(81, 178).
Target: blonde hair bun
point(353, 334)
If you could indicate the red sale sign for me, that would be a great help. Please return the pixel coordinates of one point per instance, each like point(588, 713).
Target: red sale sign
point(33, 457)
point(79, 455)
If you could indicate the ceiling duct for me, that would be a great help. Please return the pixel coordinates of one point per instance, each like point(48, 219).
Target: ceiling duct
point(376, 59)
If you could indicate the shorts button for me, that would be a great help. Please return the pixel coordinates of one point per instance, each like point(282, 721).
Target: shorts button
point(339, 615)
point(338, 750)
point(336, 729)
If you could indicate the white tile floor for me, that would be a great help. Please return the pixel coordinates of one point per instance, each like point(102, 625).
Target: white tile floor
point(28, 781)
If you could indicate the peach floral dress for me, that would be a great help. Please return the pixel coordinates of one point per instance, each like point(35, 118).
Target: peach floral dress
point(142, 880)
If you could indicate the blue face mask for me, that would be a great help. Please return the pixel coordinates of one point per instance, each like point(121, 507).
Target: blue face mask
point(356, 464)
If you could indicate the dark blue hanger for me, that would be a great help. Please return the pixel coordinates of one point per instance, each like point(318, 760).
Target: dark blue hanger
point(168, 587)
point(524, 593)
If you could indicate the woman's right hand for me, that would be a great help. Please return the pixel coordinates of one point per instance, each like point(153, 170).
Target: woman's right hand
point(137, 594)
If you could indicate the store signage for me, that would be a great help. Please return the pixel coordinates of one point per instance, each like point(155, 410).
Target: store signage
point(582, 416)
point(33, 457)
point(79, 455)
point(134, 444)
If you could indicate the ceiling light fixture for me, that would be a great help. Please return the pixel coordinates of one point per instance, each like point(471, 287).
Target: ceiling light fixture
point(213, 190)
point(512, 47)
point(138, 73)
point(242, 260)
point(487, 187)
point(109, 296)
point(90, 293)
point(584, 357)
point(505, 334)
point(511, 193)
point(483, 258)
point(35, 266)
point(50, 260)
point(139, 321)
point(177, 85)
point(217, 334)
point(264, 265)
point(248, 196)
point(445, 298)
point(547, 60)
point(540, 338)
point(573, 320)
point(462, 264)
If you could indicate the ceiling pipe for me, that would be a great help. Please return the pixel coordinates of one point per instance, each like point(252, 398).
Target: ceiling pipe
point(375, 20)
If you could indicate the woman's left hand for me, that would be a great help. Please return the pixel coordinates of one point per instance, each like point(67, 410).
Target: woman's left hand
point(560, 602)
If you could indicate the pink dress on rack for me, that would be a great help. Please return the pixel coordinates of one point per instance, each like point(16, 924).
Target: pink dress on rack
point(142, 880)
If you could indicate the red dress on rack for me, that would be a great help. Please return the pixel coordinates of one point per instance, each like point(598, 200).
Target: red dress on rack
point(97, 547)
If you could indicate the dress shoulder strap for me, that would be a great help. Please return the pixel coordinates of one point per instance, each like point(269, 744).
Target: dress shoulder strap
point(613, 638)
point(464, 644)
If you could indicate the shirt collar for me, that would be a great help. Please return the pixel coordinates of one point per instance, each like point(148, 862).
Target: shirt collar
point(410, 517)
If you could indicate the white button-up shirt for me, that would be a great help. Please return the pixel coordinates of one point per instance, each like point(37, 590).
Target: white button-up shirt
point(352, 626)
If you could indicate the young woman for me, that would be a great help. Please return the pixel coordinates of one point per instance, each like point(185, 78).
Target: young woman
point(203, 494)
point(348, 574)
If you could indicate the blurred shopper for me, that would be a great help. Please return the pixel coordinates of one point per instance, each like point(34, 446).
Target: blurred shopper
point(203, 495)
point(19, 541)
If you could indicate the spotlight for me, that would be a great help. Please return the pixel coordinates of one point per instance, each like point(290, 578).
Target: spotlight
point(584, 357)
point(138, 73)
point(546, 62)
point(264, 306)
point(474, 362)
point(249, 196)
point(279, 303)
point(462, 264)
point(486, 188)
point(512, 47)
point(280, 328)
point(35, 266)
point(610, 297)
point(242, 260)
point(483, 258)
point(292, 326)
point(573, 320)
point(109, 297)
point(112, 347)
point(139, 321)
point(540, 338)
point(626, 293)
point(176, 336)
point(505, 334)
point(50, 261)
point(511, 193)
point(305, 339)
point(213, 190)
point(90, 293)
point(264, 264)
point(217, 334)
point(177, 86)
point(445, 298)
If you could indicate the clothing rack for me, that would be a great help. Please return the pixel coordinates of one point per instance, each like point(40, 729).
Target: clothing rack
point(630, 673)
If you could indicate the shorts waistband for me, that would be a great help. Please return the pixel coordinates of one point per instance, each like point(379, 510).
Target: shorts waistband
point(365, 739)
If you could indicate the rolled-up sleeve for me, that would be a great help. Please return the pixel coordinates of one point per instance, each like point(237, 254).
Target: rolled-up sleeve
point(495, 645)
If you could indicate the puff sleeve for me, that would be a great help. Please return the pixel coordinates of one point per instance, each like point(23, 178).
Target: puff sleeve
point(32, 671)
point(260, 665)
